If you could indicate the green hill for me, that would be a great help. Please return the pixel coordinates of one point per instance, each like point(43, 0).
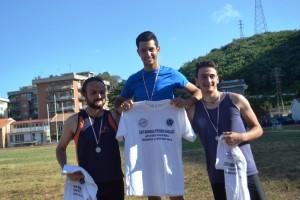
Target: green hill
point(254, 60)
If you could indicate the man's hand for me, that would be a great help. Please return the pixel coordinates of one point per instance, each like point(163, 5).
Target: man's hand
point(232, 138)
point(126, 105)
point(75, 176)
point(183, 103)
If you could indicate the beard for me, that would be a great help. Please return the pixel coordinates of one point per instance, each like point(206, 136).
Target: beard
point(94, 104)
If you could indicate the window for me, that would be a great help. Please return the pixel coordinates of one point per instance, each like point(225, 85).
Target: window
point(19, 138)
point(33, 136)
point(42, 137)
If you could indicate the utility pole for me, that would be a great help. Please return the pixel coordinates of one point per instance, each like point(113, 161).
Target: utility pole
point(241, 29)
point(260, 25)
point(280, 105)
point(63, 112)
point(55, 118)
point(48, 122)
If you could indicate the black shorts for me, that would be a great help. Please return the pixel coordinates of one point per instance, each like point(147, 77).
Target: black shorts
point(113, 190)
point(254, 186)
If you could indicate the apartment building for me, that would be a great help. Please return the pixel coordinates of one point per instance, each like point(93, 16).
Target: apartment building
point(54, 98)
point(49, 96)
point(60, 94)
point(3, 107)
point(23, 103)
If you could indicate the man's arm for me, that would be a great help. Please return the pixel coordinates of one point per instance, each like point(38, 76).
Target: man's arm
point(190, 113)
point(66, 137)
point(195, 92)
point(192, 90)
point(255, 130)
point(69, 129)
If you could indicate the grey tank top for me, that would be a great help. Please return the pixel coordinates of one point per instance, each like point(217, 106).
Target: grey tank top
point(229, 120)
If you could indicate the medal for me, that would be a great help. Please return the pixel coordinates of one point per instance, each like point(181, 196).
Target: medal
point(150, 98)
point(217, 125)
point(98, 149)
point(217, 137)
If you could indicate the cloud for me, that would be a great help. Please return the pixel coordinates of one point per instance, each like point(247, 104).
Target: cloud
point(225, 14)
point(173, 39)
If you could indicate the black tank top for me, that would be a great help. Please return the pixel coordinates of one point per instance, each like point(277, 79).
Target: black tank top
point(106, 165)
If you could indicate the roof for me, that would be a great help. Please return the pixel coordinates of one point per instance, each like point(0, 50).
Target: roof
point(29, 121)
point(62, 117)
point(51, 78)
point(5, 121)
point(296, 100)
point(4, 100)
point(235, 82)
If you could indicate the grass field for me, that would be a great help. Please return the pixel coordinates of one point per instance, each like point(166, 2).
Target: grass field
point(33, 173)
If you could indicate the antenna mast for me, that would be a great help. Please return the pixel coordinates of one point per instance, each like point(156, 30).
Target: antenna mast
point(280, 105)
point(260, 21)
point(241, 29)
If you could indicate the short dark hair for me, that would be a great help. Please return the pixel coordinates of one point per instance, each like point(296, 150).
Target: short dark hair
point(85, 83)
point(205, 63)
point(145, 37)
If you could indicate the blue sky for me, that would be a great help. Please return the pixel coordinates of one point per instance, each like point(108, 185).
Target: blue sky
point(51, 37)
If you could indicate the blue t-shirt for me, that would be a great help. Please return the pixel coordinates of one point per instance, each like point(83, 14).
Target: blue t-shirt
point(167, 81)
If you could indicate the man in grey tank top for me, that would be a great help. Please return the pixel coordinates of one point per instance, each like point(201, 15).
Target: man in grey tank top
point(222, 113)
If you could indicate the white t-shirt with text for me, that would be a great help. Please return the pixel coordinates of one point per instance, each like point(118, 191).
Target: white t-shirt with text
point(153, 132)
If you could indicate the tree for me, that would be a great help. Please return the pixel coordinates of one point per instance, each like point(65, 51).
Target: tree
point(253, 58)
point(113, 79)
point(115, 91)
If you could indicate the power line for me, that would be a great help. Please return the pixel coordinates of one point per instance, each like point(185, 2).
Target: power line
point(260, 21)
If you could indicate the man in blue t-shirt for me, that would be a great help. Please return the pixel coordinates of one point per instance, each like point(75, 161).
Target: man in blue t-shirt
point(154, 82)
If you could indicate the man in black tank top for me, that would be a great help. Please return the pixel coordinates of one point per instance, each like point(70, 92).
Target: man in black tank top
point(217, 114)
point(93, 131)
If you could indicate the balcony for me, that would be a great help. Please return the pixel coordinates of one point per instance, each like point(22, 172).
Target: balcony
point(60, 109)
point(61, 98)
point(59, 88)
point(29, 129)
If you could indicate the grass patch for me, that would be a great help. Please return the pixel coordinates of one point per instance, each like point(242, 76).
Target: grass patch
point(33, 172)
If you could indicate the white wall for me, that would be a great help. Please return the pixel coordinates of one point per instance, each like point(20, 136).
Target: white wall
point(295, 108)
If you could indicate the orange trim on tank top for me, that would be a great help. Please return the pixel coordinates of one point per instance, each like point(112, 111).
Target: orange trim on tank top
point(76, 137)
